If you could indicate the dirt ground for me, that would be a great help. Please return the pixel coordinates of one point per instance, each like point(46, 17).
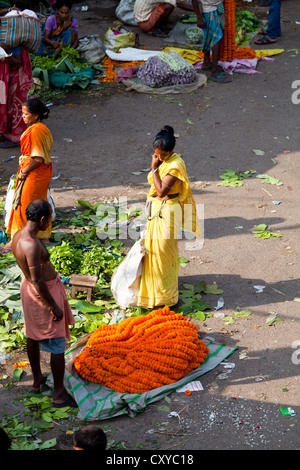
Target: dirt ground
point(219, 126)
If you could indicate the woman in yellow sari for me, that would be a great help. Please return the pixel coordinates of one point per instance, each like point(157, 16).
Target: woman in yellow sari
point(172, 207)
point(35, 167)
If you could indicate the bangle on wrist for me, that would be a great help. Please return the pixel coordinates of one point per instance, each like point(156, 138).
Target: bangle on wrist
point(24, 174)
point(154, 170)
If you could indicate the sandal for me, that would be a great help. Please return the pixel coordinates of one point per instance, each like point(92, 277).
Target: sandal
point(158, 33)
point(220, 78)
point(265, 40)
point(68, 402)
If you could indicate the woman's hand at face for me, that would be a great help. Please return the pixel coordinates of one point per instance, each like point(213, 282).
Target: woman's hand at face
point(155, 161)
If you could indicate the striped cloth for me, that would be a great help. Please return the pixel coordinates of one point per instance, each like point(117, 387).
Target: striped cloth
point(144, 8)
point(97, 402)
point(213, 32)
point(20, 30)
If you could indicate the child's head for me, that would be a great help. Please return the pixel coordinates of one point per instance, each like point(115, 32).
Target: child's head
point(89, 438)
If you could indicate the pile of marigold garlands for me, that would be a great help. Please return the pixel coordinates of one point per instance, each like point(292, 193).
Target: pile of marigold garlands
point(142, 353)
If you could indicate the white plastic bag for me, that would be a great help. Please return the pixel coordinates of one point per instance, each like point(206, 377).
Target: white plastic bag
point(9, 200)
point(125, 282)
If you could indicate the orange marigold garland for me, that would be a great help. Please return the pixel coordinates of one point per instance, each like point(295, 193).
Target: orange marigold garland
point(142, 353)
point(228, 48)
point(109, 65)
point(228, 45)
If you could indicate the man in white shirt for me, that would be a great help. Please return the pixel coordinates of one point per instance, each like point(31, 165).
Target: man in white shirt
point(151, 15)
point(211, 18)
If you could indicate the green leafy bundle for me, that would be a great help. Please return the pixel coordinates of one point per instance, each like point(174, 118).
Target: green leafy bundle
point(100, 261)
point(46, 62)
point(66, 259)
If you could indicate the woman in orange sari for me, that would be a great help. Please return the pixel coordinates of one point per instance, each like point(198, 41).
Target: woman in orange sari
point(35, 167)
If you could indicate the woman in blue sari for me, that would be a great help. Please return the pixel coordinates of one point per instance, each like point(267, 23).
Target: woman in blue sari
point(60, 30)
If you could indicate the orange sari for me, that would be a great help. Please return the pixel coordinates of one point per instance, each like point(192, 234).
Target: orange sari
point(36, 141)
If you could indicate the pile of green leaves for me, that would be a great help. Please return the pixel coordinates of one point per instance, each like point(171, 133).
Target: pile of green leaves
point(192, 303)
point(23, 435)
point(66, 259)
point(245, 22)
point(234, 178)
point(99, 261)
point(270, 180)
point(46, 62)
point(41, 407)
point(98, 221)
point(263, 233)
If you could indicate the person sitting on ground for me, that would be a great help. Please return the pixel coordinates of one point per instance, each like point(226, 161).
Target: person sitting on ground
point(89, 438)
point(60, 30)
point(211, 18)
point(151, 16)
point(47, 313)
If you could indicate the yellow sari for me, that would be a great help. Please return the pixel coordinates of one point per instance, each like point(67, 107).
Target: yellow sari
point(159, 281)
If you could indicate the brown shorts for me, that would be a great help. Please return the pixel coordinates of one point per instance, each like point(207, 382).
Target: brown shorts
point(148, 25)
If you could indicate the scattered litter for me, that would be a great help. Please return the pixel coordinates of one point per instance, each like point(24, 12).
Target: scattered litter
point(220, 304)
point(243, 356)
point(227, 365)
point(3, 358)
point(10, 158)
point(194, 386)
point(259, 289)
point(67, 139)
point(258, 151)
point(288, 411)
point(175, 415)
point(273, 318)
point(56, 177)
point(276, 203)
point(219, 315)
point(136, 172)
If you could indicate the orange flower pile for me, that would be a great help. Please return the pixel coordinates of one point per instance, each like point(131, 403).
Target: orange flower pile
point(228, 48)
point(245, 52)
point(22, 364)
point(142, 353)
point(109, 66)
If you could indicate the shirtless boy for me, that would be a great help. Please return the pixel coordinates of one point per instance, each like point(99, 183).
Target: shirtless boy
point(47, 314)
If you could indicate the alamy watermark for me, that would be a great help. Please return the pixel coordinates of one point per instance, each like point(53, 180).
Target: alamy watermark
point(296, 93)
point(112, 224)
point(296, 354)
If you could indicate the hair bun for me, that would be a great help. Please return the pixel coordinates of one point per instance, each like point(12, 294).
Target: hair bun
point(168, 129)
